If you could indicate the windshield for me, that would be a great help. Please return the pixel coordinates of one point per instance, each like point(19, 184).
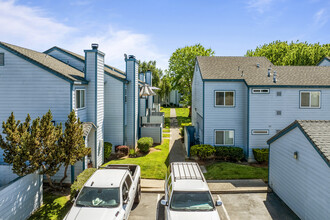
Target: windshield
point(98, 197)
point(192, 201)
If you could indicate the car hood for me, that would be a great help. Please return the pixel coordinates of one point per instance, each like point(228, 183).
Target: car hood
point(82, 213)
point(193, 215)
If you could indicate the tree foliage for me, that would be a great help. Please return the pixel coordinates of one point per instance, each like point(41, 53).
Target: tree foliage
point(157, 73)
point(72, 143)
point(165, 87)
point(294, 53)
point(32, 147)
point(181, 67)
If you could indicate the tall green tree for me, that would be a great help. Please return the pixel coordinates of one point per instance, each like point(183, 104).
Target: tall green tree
point(32, 147)
point(72, 143)
point(165, 87)
point(181, 67)
point(157, 73)
point(293, 54)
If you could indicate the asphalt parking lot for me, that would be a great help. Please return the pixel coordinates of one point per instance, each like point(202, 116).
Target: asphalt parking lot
point(235, 206)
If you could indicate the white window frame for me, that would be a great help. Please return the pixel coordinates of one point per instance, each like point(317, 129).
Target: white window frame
point(260, 91)
point(310, 99)
point(224, 144)
point(3, 57)
point(224, 101)
point(80, 101)
point(260, 131)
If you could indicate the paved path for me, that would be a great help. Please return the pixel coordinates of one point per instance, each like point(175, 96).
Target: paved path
point(177, 152)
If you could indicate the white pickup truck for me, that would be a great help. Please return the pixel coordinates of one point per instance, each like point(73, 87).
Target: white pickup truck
point(108, 194)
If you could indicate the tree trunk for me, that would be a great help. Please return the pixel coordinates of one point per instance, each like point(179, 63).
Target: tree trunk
point(65, 176)
point(48, 177)
point(189, 111)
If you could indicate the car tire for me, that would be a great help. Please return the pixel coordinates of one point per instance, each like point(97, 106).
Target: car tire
point(138, 195)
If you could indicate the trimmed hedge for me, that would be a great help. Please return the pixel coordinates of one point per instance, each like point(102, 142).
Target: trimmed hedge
point(107, 150)
point(229, 153)
point(202, 151)
point(261, 155)
point(122, 149)
point(144, 144)
point(80, 181)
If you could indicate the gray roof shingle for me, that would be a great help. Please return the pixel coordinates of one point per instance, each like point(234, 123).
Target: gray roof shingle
point(245, 68)
point(47, 62)
point(318, 131)
point(87, 127)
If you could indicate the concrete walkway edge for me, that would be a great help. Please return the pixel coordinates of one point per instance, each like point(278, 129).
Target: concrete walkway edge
point(216, 186)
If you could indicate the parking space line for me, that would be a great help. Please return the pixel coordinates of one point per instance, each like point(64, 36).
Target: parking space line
point(224, 209)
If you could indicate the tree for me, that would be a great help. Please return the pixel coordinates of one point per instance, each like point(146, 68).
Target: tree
point(31, 148)
point(164, 87)
point(72, 143)
point(157, 73)
point(181, 67)
point(293, 54)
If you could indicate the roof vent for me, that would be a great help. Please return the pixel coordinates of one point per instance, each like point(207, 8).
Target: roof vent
point(269, 72)
point(274, 78)
point(258, 65)
point(242, 73)
point(95, 46)
point(131, 57)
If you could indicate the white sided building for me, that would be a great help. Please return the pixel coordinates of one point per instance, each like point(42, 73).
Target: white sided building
point(299, 168)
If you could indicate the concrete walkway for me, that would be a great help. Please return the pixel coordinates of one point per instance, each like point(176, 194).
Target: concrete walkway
point(177, 152)
point(216, 186)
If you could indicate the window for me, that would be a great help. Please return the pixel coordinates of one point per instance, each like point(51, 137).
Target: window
point(310, 99)
point(260, 91)
point(225, 98)
point(124, 191)
point(258, 132)
point(224, 137)
point(128, 181)
point(2, 59)
point(80, 98)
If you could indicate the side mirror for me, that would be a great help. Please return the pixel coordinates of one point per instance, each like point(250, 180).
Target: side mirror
point(218, 203)
point(164, 202)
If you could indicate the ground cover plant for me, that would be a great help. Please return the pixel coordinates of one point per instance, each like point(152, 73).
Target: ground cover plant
point(167, 112)
point(182, 114)
point(153, 165)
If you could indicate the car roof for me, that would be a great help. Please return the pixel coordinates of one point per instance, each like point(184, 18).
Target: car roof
point(106, 178)
point(187, 176)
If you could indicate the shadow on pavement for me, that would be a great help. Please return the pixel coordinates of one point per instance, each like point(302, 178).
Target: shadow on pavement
point(273, 204)
point(160, 214)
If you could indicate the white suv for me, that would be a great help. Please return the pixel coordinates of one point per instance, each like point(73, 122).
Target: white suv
point(187, 195)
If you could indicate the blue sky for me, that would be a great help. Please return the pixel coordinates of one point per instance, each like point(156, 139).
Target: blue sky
point(152, 30)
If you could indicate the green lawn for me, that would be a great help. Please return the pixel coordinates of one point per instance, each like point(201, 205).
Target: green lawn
point(225, 171)
point(167, 116)
point(54, 207)
point(166, 135)
point(166, 130)
point(153, 165)
point(182, 114)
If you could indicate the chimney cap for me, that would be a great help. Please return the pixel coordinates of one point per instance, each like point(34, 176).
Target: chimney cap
point(131, 57)
point(95, 46)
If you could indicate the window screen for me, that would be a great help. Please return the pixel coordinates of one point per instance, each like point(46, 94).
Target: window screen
point(225, 98)
point(80, 98)
point(310, 99)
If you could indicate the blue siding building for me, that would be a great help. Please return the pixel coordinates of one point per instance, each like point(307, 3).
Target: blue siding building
point(243, 101)
point(104, 98)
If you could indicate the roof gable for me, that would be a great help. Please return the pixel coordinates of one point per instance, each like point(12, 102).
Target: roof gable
point(46, 62)
point(109, 70)
point(316, 131)
point(254, 70)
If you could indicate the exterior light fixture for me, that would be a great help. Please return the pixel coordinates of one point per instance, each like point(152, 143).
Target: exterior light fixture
point(295, 155)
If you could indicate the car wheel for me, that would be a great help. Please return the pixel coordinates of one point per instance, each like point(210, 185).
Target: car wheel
point(138, 195)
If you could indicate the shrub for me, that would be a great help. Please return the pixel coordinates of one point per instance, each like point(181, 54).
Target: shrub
point(261, 155)
point(202, 151)
point(144, 144)
point(107, 150)
point(80, 181)
point(229, 153)
point(132, 153)
point(122, 149)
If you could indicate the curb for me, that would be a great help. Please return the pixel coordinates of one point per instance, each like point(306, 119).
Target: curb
point(216, 191)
